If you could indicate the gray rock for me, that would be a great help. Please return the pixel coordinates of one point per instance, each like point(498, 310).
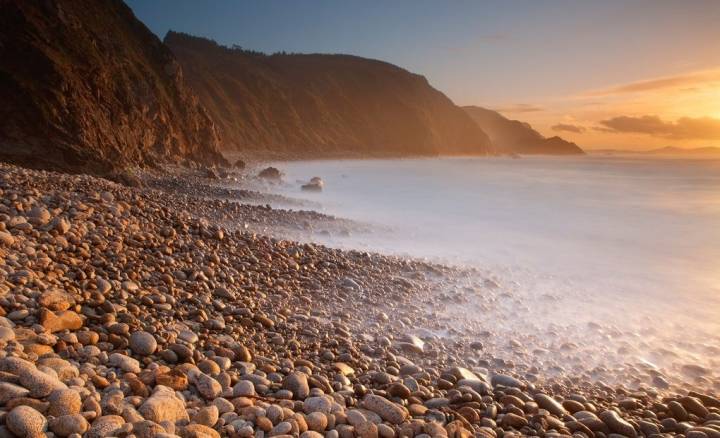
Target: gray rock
point(223, 405)
point(143, 343)
point(282, 428)
point(188, 336)
point(503, 380)
point(125, 363)
point(244, 388)
point(207, 386)
point(317, 404)
point(436, 403)
point(478, 386)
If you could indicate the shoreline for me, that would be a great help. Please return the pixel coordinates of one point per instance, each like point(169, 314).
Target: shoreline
point(260, 333)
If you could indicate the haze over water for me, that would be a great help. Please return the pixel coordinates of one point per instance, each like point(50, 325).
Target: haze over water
point(624, 223)
point(634, 242)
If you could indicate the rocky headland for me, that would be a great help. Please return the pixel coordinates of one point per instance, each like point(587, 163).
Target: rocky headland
point(293, 106)
point(86, 87)
point(515, 137)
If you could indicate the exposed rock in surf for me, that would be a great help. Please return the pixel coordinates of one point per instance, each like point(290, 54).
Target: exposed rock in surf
point(270, 173)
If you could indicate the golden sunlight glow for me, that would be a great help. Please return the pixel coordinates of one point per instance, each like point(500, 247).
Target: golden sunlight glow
point(670, 100)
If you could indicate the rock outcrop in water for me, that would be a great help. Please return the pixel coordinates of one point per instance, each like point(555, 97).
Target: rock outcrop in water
point(516, 137)
point(87, 87)
point(291, 105)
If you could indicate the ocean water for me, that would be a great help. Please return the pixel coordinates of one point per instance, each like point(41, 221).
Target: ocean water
point(632, 241)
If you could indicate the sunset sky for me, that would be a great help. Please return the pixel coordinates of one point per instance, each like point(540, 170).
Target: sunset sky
point(605, 74)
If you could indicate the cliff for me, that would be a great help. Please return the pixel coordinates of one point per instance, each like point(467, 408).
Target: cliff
point(87, 87)
point(304, 106)
point(513, 136)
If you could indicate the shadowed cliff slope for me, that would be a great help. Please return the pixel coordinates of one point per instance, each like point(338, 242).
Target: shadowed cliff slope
point(291, 106)
point(513, 136)
point(85, 86)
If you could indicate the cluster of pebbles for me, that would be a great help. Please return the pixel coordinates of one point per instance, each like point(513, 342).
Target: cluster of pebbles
point(231, 204)
point(135, 312)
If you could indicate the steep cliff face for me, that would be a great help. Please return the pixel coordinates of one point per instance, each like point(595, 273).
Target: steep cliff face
point(513, 136)
point(85, 86)
point(289, 106)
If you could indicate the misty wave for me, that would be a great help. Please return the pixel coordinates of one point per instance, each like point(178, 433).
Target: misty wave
point(631, 243)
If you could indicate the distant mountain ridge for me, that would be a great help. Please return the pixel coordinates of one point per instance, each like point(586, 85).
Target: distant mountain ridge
point(312, 105)
point(516, 137)
point(667, 150)
point(86, 87)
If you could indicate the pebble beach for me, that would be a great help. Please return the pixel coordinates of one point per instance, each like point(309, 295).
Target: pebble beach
point(179, 307)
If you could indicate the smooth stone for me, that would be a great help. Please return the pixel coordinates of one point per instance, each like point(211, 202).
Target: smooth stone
point(244, 388)
point(617, 424)
point(514, 421)
point(67, 425)
point(163, 405)
point(694, 406)
point(317, 404)
point(105, 426)
point(147, 429)
point(10, 391)
point(64, 402)
point(550, 404)
point(25, 421)
point(316, 421)
point(39, 383)
point(223, 405)
point(198, 431)
point(388, 410)
point(59, 321)
point(207, 416)
point(297, 383)
point(207, 386)
point(503, 380)
point(6, 238)
point(143, 343)
point(125, 363)
point(6, 335)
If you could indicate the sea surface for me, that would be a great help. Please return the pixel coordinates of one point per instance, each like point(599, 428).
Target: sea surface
point(632, 243)
point(633, 227)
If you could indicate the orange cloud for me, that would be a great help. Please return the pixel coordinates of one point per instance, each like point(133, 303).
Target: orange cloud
point(688, 81)
point(701, 128)
point(566, 127)
point(519, 108)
